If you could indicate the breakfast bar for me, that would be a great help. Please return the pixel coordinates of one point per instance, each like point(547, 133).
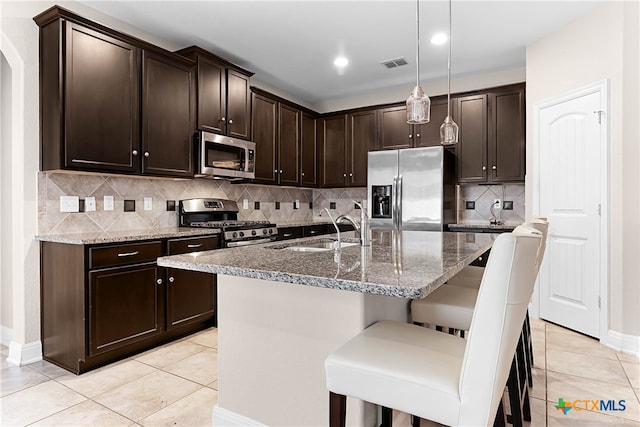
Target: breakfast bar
point(284, 306)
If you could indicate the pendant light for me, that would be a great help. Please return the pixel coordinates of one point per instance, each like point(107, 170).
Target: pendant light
point(418, 103)
point(449, 128)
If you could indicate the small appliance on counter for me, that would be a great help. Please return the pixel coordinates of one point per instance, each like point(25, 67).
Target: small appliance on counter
point(223, 214)
point(412, 189)
point(220, 156)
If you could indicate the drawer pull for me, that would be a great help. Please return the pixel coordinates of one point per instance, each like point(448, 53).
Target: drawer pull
point(313, 231)
point(124, 254)
point(287, 235)
point(194, 245)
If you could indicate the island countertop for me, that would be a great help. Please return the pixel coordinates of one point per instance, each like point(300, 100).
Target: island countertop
point(407, 264)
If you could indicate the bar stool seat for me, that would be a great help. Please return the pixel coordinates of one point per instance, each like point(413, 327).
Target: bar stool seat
point(449, 305)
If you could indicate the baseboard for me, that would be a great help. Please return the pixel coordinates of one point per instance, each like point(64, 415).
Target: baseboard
point(629, 344)
point(6, 335)
point(224, 417)
point(23, 354)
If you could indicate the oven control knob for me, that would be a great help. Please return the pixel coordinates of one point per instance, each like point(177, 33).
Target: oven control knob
point(264, 231)
point(271, 231)
point(241, 234)
point(254, 232)
point(234, 235)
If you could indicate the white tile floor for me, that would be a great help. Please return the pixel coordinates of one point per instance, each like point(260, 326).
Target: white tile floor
point(176, 384)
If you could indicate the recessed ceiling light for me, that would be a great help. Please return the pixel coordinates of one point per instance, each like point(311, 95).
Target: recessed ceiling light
point(439, 38)
point(341, 61)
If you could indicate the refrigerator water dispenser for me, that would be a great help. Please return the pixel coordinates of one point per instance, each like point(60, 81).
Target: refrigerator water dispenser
point(381, 201)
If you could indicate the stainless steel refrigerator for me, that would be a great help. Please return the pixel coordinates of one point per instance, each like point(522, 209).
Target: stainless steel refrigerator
point(412, 189)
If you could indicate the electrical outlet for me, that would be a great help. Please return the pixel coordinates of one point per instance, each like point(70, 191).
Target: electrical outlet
point(90, 204)
point(171, 205)
point(296, 204)
point(332, 205)
point(148, 204)
point(245, 204)
point(69, 204)
point(256, 206)
point(108, 203)
point(497, 204)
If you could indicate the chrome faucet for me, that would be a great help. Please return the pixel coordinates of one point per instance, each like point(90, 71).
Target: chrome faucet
point(334, 224)
point(362, 228)
point(348, 218)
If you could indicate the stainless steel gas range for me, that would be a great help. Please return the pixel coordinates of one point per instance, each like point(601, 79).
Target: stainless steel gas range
point(223, 214)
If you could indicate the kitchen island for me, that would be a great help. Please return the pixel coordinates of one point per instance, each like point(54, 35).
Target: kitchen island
point(281, 311)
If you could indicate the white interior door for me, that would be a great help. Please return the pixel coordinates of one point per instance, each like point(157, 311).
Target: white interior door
point(570, 147)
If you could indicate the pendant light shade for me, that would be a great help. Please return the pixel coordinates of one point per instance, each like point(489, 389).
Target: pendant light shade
point(449, 128)
point(418, 103)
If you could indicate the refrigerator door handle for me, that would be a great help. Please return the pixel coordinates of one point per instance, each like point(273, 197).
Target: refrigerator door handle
point(394, 203)
point(399, 202)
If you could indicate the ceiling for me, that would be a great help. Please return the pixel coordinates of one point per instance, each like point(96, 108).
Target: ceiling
point(291, 45)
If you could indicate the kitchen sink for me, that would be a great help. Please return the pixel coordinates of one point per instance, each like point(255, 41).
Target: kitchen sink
point(321, 245)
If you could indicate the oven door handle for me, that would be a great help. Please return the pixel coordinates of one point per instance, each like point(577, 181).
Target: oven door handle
point(248, 242)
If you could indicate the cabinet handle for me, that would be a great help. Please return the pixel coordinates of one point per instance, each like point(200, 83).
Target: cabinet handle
point(410, 136)
point(134, 152)
point(223, 119)
point(494, 167)
point(276, 171)
point(287, 235)
point(417, 135)
point(230, 121)
point(280, 170)
point(351, 174)
point(194, 245)
point(146, 154)
point(313, 231)
point(124, 254)
point(484, 168)
point(344, 175)
point(302, 173)
point(171, 279)
point(159, 281)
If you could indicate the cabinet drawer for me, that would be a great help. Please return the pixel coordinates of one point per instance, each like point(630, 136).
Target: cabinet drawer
point(133, 253)
point(285, 233)
point(193, 244)
point(316, 230)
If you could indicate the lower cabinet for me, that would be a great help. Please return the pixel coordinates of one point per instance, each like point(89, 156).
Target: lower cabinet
point(100, 303)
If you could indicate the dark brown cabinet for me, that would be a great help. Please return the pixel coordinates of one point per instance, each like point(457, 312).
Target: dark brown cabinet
point(168, 116)
point(100, 303)
point(347, 138)
point(309, 151)
point(288, 164)
point(264, 122)
point(395, 133)
point(491, 148)
point(224, 103)
point(112, 103)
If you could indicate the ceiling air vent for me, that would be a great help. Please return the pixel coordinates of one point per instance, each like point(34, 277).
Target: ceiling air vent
point(393, 63)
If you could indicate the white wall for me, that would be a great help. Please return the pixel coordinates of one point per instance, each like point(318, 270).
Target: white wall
point(6, 294)
point(601, 45)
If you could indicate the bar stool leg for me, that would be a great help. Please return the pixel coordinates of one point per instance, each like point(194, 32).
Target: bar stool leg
point(337, 410)
point(387, 416)
point(415, 421)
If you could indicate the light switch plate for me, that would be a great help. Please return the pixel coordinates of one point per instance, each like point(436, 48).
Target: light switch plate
point(148, 204)
point(89, 204)
point(245, 204)
point(69, 204)
point(296, 204)
point(108, 203)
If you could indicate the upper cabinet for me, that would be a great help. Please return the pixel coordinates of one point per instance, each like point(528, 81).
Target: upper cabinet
point(112, 103)
point(224, 97)
point(395, 133)
point(347, 139)
point(491, 148)
point(285, 137)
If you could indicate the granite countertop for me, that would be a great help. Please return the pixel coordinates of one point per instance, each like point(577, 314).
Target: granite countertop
point(408, 264)
point(301, 223)
point(125, 236)
point(485, 226)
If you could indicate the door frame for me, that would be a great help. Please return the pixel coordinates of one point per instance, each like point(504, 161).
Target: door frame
point(601, 87)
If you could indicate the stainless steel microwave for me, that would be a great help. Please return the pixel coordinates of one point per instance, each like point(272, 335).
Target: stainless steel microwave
point(222, 157)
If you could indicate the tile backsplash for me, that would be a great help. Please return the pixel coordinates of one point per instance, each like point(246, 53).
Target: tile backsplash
point(276, 203)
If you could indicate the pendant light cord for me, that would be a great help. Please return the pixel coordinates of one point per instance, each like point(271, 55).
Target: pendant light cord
point(449, 68)
point(418, 43)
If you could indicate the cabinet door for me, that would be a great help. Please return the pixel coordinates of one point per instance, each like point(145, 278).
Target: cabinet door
point(168, 117)
point(101, 102)
point(471, 152)
point(395, 132)
point(333, 151)
point(289, 145)
point(507, 136)
point(212, 96)
point(309, 151)
point(362, 137)
point(428, 135)
point(238, 105)
point(190, 297)
point(264, 134)
point(124, 306)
